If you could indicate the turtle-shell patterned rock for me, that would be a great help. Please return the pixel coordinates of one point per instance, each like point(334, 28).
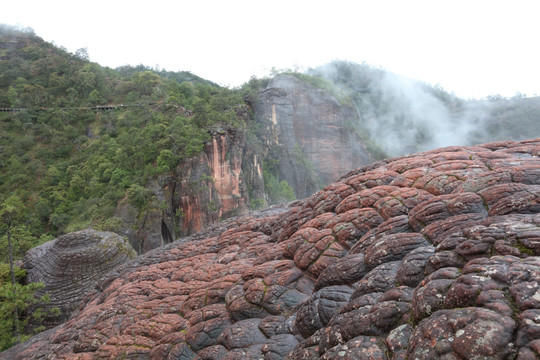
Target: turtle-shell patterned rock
point(71, 265)
point(428, 256)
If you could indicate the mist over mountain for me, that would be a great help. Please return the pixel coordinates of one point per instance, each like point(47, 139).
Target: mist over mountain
point(404, 116)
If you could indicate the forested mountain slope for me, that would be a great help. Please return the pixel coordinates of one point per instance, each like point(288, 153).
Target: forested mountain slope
point(152, 154)
point(69, 162)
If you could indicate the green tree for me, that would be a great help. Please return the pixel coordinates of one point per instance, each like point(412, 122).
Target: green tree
point(85, 80)
point(10, 213)
point(15, 298)
point(82, 54)
point(15, 301)
point(187, 138)
point(95, 97)
point(138, 195)
point(147, 82)
point(13, 96)
point(166, 161)
point(277, 191)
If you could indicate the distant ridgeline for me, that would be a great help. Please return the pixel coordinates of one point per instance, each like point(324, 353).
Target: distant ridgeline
point(155, 155)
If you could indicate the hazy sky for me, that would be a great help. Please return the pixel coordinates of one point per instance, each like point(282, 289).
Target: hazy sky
point(473, 48)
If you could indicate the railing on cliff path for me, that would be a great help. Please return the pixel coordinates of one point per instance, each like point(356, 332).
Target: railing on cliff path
point(97, 107)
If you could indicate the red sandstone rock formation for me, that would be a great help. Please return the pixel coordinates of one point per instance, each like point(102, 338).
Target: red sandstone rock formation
point(206, 189)
point(211, 187)
point(430, 256)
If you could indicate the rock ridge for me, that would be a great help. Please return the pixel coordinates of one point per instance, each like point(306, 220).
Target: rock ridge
point(428, 256)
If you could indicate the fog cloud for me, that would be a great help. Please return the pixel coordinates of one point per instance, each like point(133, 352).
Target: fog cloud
point(412, 118)
point(404, 116)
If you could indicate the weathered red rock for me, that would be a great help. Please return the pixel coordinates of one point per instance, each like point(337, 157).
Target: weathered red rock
point(463, 333)
point(429, 256)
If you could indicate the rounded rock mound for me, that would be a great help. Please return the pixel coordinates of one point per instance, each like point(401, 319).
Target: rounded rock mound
point(71, 265)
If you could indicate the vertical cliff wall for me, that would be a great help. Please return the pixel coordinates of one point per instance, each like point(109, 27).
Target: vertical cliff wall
point(212, 187)
point(309, 132)
point(202, 191)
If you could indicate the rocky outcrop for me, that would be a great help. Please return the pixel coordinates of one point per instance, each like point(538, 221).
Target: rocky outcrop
point(309, 132)
point(71, 265)
point(203, 190)
point(304, 130)
point(211, 187)
point(430, 256)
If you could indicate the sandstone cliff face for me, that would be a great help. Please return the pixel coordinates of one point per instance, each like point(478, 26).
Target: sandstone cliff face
point(302, 128)
point(430, 256)
point(71, 265)
point(304, 121)
point(211, 187)
point(203, 191)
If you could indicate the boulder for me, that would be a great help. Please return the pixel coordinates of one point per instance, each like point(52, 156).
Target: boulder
point(71, 266)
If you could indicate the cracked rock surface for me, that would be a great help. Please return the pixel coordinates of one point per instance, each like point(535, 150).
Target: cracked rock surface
point(429, 256)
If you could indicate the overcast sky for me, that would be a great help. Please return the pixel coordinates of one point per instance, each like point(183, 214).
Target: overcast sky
point(472, 48)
